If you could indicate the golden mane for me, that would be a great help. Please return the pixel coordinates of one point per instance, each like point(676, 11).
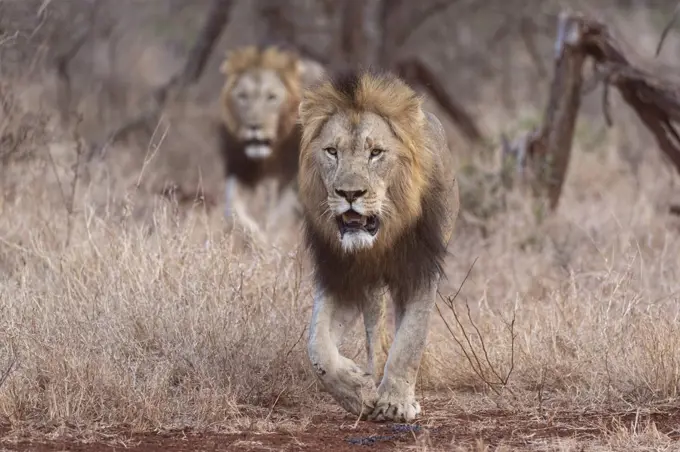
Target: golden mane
point(285, 64)
point(382, 94)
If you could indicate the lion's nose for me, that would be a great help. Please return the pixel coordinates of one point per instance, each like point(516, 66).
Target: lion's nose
point(351, 195)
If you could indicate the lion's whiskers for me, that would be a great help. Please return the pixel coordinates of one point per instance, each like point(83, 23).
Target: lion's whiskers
point(386, 211)
point(327, 212)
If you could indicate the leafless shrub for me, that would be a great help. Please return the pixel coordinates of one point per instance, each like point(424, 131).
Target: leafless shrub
point(477, 355)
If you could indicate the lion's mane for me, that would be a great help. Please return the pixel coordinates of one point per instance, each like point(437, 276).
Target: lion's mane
point(412, 244)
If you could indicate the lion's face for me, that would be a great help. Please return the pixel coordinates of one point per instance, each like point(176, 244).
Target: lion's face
point(358, 160)
point(256, 103)
point(260, 97)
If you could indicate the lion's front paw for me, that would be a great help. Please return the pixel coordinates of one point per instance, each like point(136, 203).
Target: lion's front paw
point(351, 387)
point(395, 408)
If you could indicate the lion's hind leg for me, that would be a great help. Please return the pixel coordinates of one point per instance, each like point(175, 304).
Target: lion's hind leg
point(347, 382)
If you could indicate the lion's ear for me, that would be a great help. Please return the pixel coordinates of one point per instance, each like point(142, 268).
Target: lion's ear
point(224, 67)
point(228, 59)
point(310, 71)
point(302, 110)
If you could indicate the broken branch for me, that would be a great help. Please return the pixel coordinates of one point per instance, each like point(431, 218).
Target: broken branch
point(655, 99)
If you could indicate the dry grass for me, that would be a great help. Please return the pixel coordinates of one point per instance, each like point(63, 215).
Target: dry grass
point(118, 309)
point(138, 323)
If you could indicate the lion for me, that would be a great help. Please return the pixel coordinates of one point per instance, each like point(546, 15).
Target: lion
point(380, 200)
point(259, 134)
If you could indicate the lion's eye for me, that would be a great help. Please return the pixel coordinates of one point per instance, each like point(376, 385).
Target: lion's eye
point(271, 97)
point(376, 152)
point(241, 96)
point(331, 151)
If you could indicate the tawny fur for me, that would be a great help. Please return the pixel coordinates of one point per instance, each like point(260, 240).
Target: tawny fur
point(286, 64)
point(388, 98)
point(282, 137)
point(408, 252)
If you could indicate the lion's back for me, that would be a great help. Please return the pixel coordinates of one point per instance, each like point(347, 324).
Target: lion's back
point(445, 168)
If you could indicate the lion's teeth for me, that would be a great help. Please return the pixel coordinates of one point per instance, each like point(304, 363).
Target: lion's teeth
point(354, 218)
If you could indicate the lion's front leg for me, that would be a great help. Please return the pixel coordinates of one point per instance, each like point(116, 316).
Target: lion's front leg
point(235, 209)
point(284, 204)
point(349, 385)
point(272, 194)
point(377, 343)
point(230, 189)
point(396, 393)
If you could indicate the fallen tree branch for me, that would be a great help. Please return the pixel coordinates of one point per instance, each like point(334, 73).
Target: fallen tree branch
point(655, 100)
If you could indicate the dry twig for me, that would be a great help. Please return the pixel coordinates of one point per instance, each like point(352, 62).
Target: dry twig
point(5, 374)
point(484, 368)
point(667, 29)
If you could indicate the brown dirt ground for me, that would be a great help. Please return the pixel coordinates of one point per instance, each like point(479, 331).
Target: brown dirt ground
point(336, 431)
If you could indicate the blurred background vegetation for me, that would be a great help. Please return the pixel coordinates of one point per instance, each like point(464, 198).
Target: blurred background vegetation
point(101, 63)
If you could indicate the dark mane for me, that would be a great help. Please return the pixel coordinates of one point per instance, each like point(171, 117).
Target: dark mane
point(283, 164)
point(348, 81)
point(405, 267)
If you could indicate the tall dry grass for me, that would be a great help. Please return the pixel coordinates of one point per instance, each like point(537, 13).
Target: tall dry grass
point(117, 310)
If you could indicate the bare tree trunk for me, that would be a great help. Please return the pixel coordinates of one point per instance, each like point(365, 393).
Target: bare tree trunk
point(551, 152)
point(64, 57)
point(656, 101)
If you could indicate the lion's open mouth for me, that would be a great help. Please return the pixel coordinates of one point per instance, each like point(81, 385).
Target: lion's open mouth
point(258, 149)
point(258, 142)
point(352, 221)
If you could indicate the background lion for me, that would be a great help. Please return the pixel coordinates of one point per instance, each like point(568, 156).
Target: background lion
point(260, 137)
point(380, 200)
